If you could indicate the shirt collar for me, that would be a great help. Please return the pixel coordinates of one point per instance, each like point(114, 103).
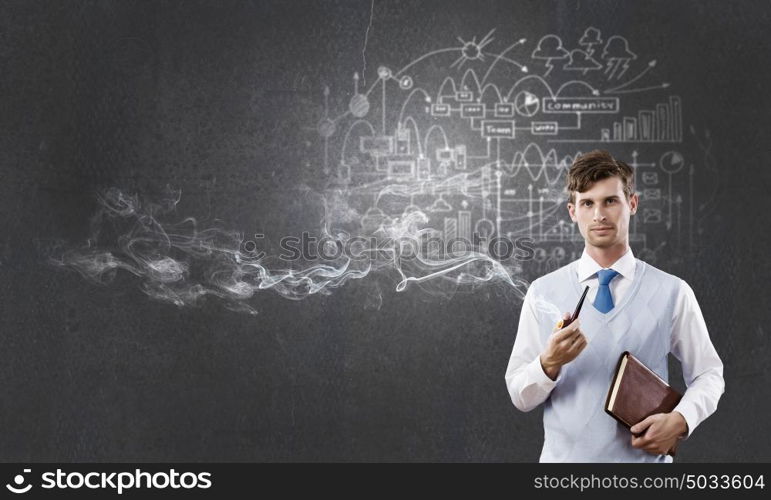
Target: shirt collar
point(588, 267)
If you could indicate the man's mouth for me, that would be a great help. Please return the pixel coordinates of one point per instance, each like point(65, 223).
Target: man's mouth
point(604, 228)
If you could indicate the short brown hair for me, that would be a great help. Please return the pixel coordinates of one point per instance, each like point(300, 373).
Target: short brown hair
point(594, 166)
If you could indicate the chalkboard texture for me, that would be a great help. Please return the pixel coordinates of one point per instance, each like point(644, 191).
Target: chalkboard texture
point(155, 156)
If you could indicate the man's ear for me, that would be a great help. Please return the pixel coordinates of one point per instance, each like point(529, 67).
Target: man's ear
point(633, 202)
point(572, 211)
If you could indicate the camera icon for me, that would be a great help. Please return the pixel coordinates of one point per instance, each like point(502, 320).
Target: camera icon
point(18, 480)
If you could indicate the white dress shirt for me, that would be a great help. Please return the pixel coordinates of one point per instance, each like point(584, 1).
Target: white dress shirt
point(702, 368)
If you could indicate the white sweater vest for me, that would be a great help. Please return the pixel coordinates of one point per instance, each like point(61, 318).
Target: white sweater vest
point(576, 427)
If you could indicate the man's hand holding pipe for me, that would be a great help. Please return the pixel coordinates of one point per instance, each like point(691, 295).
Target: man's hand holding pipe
point(564, 346)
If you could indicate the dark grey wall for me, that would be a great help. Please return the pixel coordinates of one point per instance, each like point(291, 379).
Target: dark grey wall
point(221, 100)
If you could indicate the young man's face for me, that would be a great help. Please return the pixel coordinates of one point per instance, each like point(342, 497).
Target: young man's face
point(602, 213)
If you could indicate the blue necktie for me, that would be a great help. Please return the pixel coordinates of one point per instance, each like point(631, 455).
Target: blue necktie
point(603, 302)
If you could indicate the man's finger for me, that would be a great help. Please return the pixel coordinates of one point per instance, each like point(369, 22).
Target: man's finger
point(567, 332)
point(640, 442)
point(578, 345)
point(568, 343)
point(576, 340)
point(641, 426)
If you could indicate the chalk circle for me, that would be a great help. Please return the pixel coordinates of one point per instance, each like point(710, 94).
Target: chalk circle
point(384, 73)
point(671, 162)
point(558, 253)
point(18, 479)
point(326, 127)
point(405, 83)
point(249, 246)
point(539, 255)
point(359, 105)
point(526, 103)
point(484, 228)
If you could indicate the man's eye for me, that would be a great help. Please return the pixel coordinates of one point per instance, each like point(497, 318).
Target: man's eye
point(611, 201)
point(587, 203)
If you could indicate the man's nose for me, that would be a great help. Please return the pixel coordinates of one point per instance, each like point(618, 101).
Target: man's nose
point(598, 214)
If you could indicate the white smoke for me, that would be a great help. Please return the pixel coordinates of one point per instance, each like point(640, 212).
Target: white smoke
point(181, 263)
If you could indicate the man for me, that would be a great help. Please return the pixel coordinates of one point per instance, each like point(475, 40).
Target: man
point(631, 306)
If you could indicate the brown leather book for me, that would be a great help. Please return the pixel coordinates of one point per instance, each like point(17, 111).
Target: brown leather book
point(637, 392)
